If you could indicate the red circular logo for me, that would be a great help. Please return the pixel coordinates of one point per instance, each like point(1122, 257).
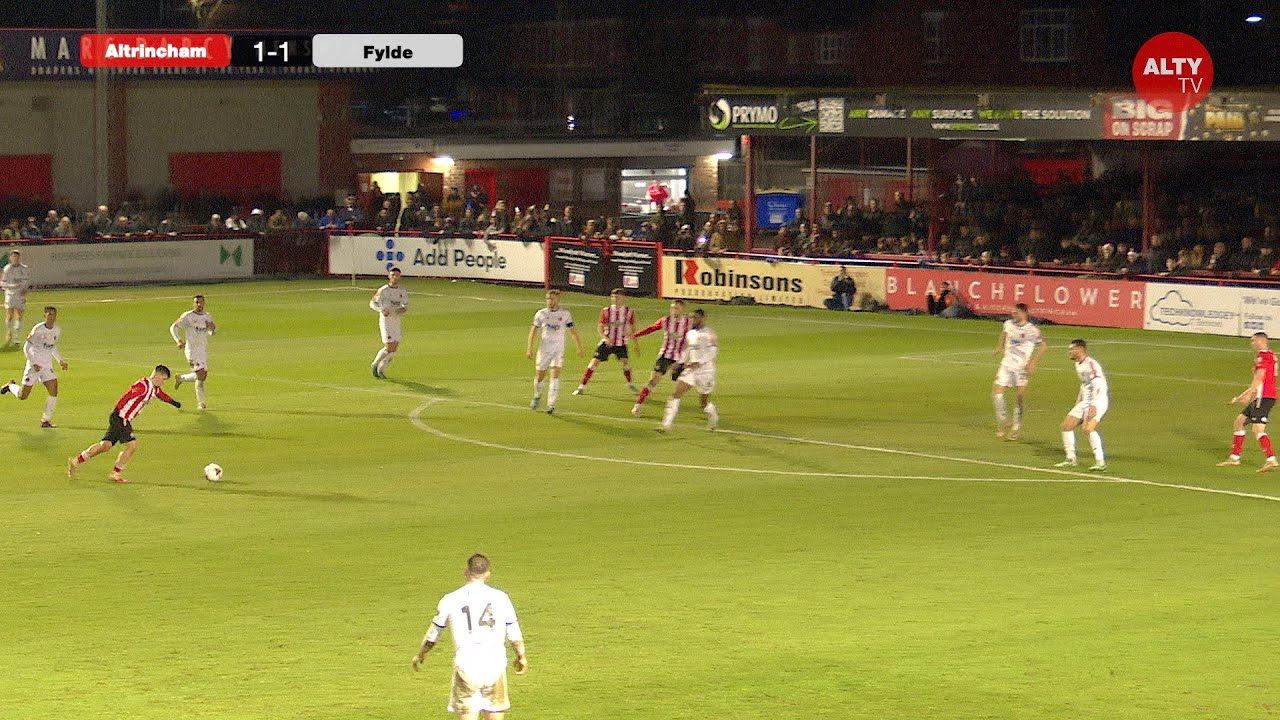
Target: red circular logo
point(1173, 70)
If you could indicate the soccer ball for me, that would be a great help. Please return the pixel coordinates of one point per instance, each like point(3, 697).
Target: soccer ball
point(213, 472)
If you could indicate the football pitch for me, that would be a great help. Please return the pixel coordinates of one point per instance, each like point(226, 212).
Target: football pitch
point(854, 543)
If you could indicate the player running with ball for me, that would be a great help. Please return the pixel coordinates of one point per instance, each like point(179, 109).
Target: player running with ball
point(120, 423)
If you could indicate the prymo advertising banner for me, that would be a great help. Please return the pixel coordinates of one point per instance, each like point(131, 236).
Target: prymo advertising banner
point(1067, 300)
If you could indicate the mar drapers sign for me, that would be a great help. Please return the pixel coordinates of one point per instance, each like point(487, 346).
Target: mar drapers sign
point(459, 257)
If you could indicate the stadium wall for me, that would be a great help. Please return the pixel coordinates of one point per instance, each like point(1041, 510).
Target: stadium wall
point(55, 119)
point(151, 119)
point(220, 117)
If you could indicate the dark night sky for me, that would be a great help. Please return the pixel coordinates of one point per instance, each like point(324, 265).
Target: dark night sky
point(1243, 54)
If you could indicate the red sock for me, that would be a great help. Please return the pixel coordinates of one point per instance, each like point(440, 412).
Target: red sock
point(1237, 444)
point(586, 377)
point(81, 458)
point(644, 393)
point(117, 469)
point(1265, 442)
point(626, 372)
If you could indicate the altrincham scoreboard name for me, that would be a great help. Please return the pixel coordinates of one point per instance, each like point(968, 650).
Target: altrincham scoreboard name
point(216, 50)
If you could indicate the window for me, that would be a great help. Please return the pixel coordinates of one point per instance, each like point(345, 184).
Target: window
point(829, 49)
point(1047, 35)
point(933, 37)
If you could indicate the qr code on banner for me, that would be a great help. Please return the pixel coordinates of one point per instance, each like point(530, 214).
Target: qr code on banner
point(831, 115)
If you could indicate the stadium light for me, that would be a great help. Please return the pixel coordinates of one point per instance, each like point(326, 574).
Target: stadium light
point(1254, 18)
point(723, 156)
point(444, 160)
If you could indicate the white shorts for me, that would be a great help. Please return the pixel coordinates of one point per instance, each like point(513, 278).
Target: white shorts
point(14, 300)
point(389, 328)
point(702, 379)
point(1011, 377)
point(1080, 409)
point(476, 692)
point(549, 358)
point(32, 377)
point(199, 359)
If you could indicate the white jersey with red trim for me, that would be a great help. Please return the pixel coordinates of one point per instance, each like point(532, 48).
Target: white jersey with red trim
point(1093, 382)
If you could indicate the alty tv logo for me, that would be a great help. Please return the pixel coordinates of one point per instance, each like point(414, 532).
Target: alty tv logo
point(700, 274)
point(1173, 69)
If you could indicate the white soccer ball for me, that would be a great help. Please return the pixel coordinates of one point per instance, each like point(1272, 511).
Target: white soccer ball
point(213, 472)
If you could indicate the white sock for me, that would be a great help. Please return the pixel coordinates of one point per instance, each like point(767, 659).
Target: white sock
point(14, 389)
point(14, 328)
point(555, 392)
point(49, 404)
point(1069, 444)
point(188, 377)
point(712, 415)
point(537, 388)
point(377, 359)
point(386, 360)
point(1095, 442)
point(200, 392)
point(997, 401)
point(1017, 412)
point(669, 414)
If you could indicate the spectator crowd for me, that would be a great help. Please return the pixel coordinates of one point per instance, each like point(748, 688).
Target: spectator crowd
point(1095, 226)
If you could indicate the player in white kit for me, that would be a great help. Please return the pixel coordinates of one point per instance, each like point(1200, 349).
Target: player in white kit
point(192, 331)
point(701, 345)
point(1023, 345)
point(1091, 405)
point(390, 302)
point(482, 620)
point(15, 279)
point(41, 349)
point(552, 321)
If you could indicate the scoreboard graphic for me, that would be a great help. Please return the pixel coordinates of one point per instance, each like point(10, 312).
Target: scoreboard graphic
point(214, 50)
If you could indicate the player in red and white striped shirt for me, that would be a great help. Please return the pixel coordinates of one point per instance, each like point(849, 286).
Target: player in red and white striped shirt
point(617, 327)
point(673, 327)
point(120, 422)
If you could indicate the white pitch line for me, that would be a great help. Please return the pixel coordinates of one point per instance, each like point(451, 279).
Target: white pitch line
point(415, 416)
point(1078, 477)
point(1143, 376)
point(1064, 474)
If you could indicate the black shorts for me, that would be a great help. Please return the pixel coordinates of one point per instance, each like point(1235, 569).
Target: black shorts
point(603, 351)
point(118, 431)
point(664, 364)
point(1257, 412)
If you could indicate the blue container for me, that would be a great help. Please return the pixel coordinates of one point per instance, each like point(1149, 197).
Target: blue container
point(775, 209)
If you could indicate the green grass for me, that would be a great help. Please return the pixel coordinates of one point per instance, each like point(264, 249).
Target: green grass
point(796, 580)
